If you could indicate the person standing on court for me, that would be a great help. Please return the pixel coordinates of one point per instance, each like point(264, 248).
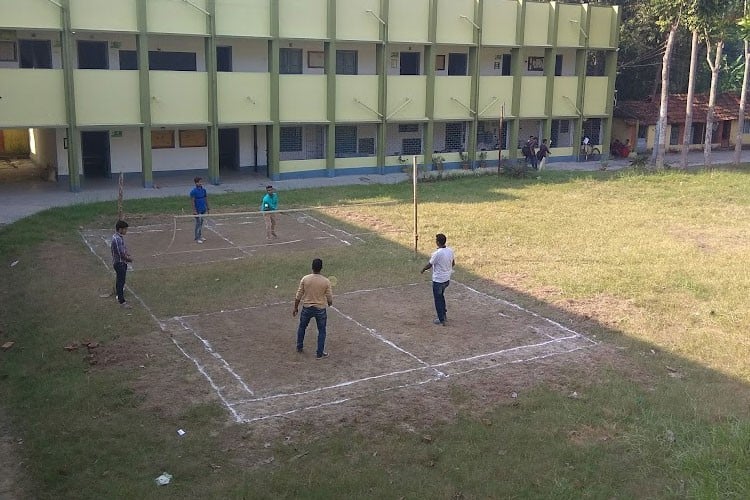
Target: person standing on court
point(542, 154)
point(441, 262)
point(268, 206)
point(120, 259)
point(199, 200)
point(315, 294)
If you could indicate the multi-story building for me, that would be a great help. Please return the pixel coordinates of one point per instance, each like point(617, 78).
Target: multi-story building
point(300, 88)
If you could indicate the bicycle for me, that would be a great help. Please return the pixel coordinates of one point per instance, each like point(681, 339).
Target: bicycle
point(589, 150)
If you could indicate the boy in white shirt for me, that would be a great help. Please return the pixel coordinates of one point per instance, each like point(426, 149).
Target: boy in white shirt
point(441, 262)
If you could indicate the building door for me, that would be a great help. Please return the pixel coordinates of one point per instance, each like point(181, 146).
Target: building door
point(457, 64)
point(229, 149)
point(95, 154)
point(409, 63)
point(92, 55)
point(726, 132)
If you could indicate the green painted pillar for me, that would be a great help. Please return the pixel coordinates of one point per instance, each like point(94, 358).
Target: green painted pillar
point(550, 58)
point(429, 68)
point(381, 56)
point(145, 94)
point(273, 135)
point(74, 136)
point(474, 65)
point(610, 70)
point(517, 64)
point(214, 175)
point(329, 49)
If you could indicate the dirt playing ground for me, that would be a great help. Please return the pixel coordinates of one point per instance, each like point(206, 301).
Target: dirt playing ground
point(380, 339)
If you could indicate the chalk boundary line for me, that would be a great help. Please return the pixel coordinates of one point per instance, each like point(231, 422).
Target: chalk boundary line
point(240, 417)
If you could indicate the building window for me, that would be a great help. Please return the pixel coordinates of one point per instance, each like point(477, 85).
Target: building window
point(346, 62)
point(592, 130)
point(411, 146)
point(558, 65)
point(290, 61)
point(128, 59)
point(346, 141)
point(172, 61)
point(408, 127)
point(367, 146)
point(8, 51)
point(699, 133)
point(595, 63)
point(455, 136)
point(92, 55)
point(290, 139)
point(674, 134)
point(506, 65)
point(746, 127)
point(35, 54)
point(224, 59)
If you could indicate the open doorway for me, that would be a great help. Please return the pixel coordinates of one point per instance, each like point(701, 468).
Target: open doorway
point(95, 154)
point(229, 149)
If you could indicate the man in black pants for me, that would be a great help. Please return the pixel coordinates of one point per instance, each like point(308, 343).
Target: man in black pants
point(120, 259)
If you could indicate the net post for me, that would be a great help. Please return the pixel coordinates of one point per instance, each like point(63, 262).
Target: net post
point(414, 196)
point(120, 183)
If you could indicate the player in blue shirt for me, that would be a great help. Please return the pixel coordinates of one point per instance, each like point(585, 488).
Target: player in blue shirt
point(199, 199)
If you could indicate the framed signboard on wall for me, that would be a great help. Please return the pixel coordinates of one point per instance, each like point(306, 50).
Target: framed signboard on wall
point(162, 139)
point(536, 64)
point(193, 138)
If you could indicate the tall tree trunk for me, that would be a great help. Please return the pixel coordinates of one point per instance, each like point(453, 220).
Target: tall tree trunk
point(715, 67)
point(743, 101)
point(661, 132)
point(687, 134)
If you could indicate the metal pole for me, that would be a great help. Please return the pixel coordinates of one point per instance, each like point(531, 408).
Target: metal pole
point(414, 196)
point(500, 141)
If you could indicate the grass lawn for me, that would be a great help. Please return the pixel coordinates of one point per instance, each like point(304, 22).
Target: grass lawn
point(651, 267)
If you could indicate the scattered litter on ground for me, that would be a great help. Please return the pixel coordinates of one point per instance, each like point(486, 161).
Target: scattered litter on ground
point(71, 347)
point(514, 394)
point(13, 264)
point(574, 395)
point(7, 346)
point(181, 432)
point(165, 478)
point(670, 436)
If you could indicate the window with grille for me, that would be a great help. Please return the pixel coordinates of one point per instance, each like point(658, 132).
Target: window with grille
point(346, 141)
point(699, 133)
point(455, 136)
point(592, 130)
point(290, 139)
point(290, 61)
point(411, 146)
point(367, 146)
point(487, 135)
point(674, 134)
point(36, 54)
point(560, 134)
point(746, 127)
point(408, 127)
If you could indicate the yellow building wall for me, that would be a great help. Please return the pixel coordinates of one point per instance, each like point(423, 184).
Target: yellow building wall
point(452, 97)
point(170, 16)
point(292, 166)
point(353, 22)
point(104, 15)
point(243, 98)
point(38, 14)
point(107, 97)
point(565, 96)
point(406, 98)
point(533, 92)
point(452, 23)
point(536, 26)
point(345, 163)
point(600, 29)
point(303, 98)
point(353, 88)
point(595, 97)
point(408, 20)
point(32, 98)
point(499, 13)
point(303, 19)
point(570, 22)
point(243, 18)
point(171, 90)
point(494, 93)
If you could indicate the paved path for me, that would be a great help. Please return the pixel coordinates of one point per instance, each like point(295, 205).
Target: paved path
point(31, 195)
